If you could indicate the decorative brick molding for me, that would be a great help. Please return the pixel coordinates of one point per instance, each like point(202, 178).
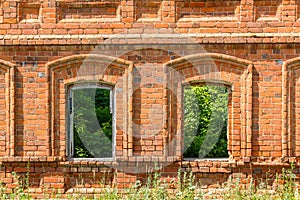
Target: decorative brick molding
point(87, 68)
point(290, 110)
point(148, 11)
point(77, 17)
point(30, 12)
point(7, 114)
point(208, 11)
point(79, 12)
point(251, 46)
point(210, 68)
point(268, 10)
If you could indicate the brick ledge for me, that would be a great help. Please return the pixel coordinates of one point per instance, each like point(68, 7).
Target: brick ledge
point(31, 159)
point(226, 38)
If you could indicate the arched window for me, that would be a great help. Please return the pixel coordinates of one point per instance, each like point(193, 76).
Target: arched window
point(191, 76)
point(83, 90)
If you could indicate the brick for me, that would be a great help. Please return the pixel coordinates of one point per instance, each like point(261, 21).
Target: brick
point(257, 58)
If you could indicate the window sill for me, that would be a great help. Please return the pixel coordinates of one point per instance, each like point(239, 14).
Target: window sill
point(89, 162)
point(207, 159)
point(91, 159)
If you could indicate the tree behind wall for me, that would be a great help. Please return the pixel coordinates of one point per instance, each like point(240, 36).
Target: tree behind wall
point(205, 121)
point(92, 123)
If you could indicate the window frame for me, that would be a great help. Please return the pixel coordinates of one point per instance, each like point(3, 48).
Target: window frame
point(69, 125)
point(229, 92)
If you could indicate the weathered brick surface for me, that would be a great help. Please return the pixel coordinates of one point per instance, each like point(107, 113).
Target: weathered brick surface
point(148, 50)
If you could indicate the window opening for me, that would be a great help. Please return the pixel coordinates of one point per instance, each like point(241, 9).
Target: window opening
point(91, 121)
point(205, 121)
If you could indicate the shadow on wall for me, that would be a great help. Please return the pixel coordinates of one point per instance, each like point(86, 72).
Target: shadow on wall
point(255, 113)
point(20, 101)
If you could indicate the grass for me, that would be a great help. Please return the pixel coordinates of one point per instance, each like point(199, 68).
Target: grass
point(185, 187)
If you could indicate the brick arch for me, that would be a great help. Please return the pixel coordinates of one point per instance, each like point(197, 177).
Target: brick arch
point(82, 68)
point(7, 108)
point(217, 68)
point(88, 58)
point(89, 66)
point(6, 65)
point(208, 59)
point(290, 113)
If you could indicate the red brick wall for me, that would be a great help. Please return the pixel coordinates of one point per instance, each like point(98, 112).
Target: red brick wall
point(148, 50)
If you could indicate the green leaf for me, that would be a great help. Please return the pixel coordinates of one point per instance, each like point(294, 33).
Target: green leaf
point(205, 121)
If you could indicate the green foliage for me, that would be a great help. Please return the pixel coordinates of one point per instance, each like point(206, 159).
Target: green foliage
point(205, 121)
point(185, 187)
point(92, 123)
point(156, 189)
point(21, 186)
point(288, 189)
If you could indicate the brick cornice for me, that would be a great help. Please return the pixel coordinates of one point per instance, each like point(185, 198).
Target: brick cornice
point(202, 38)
